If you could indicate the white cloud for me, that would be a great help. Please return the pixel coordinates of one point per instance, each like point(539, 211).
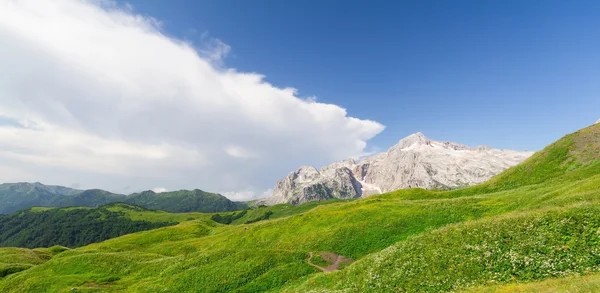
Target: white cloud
point(213, 49)
point(104, 98)
point(247, 194)
point(159, 189)
point(239, 152)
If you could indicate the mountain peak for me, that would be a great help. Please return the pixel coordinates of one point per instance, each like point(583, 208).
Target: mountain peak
point(307, 169)
point(413, 139)
point(419, 134)
point(305, 173)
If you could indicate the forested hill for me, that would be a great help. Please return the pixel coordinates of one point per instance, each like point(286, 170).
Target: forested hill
point(184, 201)
point(79, 226)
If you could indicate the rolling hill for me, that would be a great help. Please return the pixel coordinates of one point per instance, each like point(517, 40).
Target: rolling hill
point(534, 226)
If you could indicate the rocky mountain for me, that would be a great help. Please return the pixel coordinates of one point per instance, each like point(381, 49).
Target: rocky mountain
point(18, 196)
point(415, 161)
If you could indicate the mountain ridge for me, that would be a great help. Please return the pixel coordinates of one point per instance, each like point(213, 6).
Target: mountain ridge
point(23, 195)
point(415, 161)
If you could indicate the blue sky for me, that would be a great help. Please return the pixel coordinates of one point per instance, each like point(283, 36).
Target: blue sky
point(129, 96)
point(510, 74)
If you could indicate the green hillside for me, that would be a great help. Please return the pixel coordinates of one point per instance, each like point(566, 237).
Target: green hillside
point(78, 226)
point(184, 201)
point(518, 247)
point(535, 226)
point(14, 260)
point(261, 213)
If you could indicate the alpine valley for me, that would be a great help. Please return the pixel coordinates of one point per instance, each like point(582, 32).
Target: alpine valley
point(534, 227)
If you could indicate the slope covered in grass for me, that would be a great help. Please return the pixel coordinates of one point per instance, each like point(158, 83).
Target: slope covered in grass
point(13, 260)
point(269, 254)
point(260, 213)
point(573, 157)
point(411, 239)
point(519, 247)
point(137, 213)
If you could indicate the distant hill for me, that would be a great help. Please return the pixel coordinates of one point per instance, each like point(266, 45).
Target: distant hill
point(89, 198)
point(19, 196)
point(184, 201)
point(78, 226)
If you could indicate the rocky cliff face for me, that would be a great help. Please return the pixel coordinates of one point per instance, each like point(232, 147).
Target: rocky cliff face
point(415, 161)
point(308, 184)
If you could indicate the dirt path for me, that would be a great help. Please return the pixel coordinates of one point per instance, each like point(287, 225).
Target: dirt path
point(334, 259)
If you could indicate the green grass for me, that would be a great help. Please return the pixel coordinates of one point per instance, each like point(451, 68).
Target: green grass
point(137, 213)
point(14, 260)
point(318, 260)
point(518, 247)
point(536, 221)
point(39, 209)
point(256, 214)
point(141, 214)
point(575, 283)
